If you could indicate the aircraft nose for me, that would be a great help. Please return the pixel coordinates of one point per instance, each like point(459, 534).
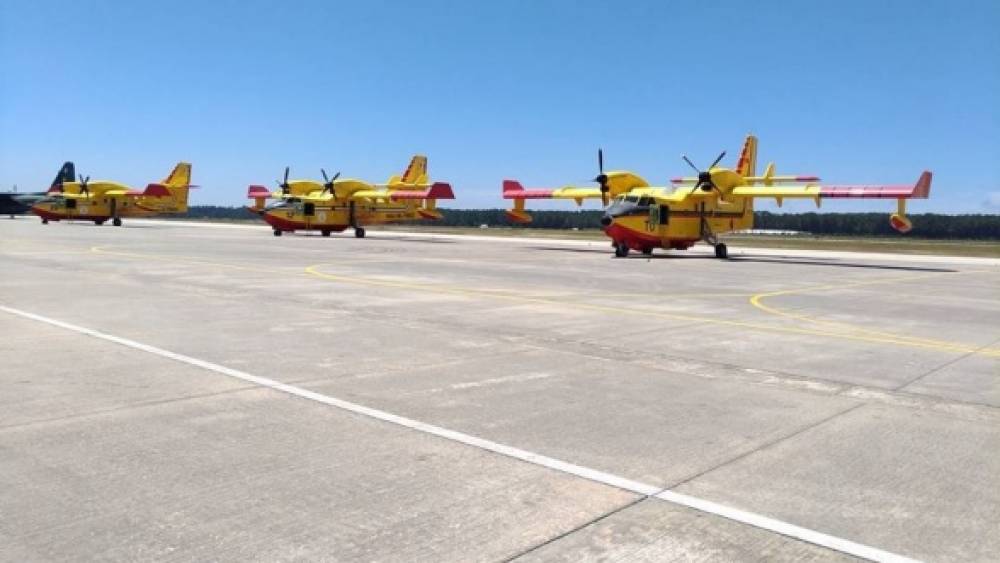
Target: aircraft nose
point(606, 220)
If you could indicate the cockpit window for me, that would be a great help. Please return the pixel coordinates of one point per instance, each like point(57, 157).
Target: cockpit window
point(632, 199)
point(279, 205)
point(645, 201)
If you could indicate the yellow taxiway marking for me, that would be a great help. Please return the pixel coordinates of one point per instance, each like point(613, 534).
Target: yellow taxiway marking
point(537, 300)
point(757, 301)
point(467, 292)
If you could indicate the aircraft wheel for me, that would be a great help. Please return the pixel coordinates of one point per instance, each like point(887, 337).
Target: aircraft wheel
point(621, 250)
point(45, 221)
point(98, 222)
point(117, 221)
point(721, 251)
point(325, 233)
point(648, 251)
point(277, 233)
point(359, 232)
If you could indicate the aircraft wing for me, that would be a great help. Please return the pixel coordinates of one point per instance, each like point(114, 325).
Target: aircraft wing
point(152, 190)
point(512, 189)
point(901, 193)
point(438, 190)
point(920, 190)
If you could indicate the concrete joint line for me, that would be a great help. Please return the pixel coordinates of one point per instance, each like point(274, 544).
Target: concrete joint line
point(645, 490)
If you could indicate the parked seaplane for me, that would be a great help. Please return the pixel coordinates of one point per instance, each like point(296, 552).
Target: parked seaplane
point(700, 208)
point(100, 200)
point(335, 204)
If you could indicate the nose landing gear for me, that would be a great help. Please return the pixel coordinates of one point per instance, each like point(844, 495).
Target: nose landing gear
point(621, 250)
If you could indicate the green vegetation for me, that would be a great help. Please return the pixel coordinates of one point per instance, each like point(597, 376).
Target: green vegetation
point(925, 225)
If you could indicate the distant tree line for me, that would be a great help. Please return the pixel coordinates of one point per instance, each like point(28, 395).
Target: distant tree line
point(925, 225)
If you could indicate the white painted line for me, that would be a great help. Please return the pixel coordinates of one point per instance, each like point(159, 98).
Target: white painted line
point(742, 516)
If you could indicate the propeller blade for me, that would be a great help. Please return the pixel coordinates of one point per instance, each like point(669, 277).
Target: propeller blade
point(325, 179)
point(335, 176)
point(600, 160)
point(691, 164)
point(718, 159)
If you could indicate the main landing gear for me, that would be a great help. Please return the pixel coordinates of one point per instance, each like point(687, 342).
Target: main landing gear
point(117, 221)
point(277, 233)
point(325, 232)
point(45, 221)
point(721, 251)
point(99, 222)
point(709, 237)
point(359, 232)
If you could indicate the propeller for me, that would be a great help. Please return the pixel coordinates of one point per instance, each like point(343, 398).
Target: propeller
point(328, 185)
point(83, 185)
point(602, 178)
point(284, 183)
point(705, 176)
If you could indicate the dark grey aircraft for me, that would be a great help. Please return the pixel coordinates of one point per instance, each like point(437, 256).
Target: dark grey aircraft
point(17, 203)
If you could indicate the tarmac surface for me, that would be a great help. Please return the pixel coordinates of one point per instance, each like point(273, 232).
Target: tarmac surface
point(171, 391)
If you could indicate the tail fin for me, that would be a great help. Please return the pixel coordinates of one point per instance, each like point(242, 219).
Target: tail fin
point(416, 172)
point(178, 183)
point(66, 174)
point(747, 164)
point(180, 176)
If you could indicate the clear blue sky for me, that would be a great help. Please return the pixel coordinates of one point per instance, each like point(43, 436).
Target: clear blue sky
point(855, 91)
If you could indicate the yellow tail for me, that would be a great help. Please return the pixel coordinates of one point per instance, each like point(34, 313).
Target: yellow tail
point(416, 172)
point(747, 164)
point(178, 183)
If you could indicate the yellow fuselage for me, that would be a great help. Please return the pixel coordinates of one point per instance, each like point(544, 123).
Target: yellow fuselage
point(99, 206)
point(293, 215)
point(641, 221)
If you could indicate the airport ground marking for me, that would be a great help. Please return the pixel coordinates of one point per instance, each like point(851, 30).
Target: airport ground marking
point(757, 301)
point(468, 292)
point(314, 270)
point(595, 475)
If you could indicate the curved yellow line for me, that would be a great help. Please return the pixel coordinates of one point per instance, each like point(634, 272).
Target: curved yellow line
point(874, 338)
point(314, 270)
point(757, 301)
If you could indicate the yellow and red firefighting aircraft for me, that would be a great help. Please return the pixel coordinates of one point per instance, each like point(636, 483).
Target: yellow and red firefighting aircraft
point(333, 205)
point(100, 200)
point(718, 200)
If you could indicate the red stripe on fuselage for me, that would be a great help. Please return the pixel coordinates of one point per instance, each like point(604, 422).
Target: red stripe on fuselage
point(50, 216)
point(638, 240)
point(289, 225)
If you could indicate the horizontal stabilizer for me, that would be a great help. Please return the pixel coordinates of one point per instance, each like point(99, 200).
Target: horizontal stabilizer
point(439, 190)
point(257, 191)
